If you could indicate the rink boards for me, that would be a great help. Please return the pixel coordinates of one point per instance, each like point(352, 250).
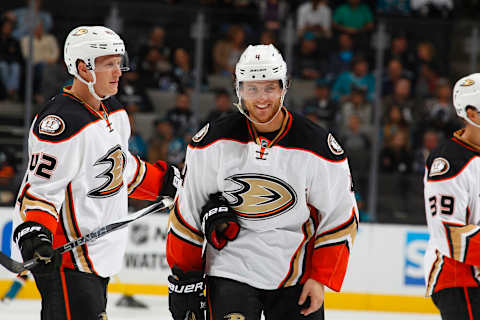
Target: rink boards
point(385, 272)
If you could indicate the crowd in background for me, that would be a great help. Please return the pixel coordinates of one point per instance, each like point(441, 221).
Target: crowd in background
point(333, 50)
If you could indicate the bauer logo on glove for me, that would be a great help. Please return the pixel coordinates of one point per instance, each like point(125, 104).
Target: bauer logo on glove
point(219, 222)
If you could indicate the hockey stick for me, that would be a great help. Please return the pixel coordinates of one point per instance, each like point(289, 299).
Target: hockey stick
point(17, 267)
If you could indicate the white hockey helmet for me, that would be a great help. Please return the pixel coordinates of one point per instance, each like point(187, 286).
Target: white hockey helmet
point(466, 93)
point(87, 43)
point(257, 63)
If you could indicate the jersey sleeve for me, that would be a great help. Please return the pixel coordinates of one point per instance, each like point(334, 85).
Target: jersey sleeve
point(448, 209)
point(332, 197)
point(53, 162)
point(144, 179)
point(185, 238)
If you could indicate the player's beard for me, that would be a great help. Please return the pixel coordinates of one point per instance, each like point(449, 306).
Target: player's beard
point(264, 116)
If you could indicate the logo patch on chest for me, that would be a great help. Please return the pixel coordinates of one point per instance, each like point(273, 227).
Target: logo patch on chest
point(260, 196)
point(115, 160)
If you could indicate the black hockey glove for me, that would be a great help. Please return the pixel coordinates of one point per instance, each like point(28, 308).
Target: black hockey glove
point(35, 240)
point(219, 223)
point(186, 297)
point(172, 178)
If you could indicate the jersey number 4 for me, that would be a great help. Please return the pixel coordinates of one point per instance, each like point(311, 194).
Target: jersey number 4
point(445, 204)
point(42, 165)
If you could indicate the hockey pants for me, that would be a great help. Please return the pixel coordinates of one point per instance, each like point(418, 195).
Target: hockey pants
point(73, 295)
point(458, 303)
point(233, 300)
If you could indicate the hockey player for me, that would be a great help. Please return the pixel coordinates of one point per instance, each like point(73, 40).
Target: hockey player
point(79, 177)
point(452, 205)
point(271, 193)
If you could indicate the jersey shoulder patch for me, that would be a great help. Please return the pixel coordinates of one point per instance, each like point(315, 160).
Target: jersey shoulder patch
point(448, 160)
point(61, 118)
point(307, 135)
point(232, 127)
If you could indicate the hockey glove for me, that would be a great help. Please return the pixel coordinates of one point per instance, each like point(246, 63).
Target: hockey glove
point(172, 178)
point(219, 223)
point(35, 240)
point(186, 297)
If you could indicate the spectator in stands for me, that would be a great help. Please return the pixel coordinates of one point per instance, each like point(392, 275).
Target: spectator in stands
point(181, 117)
point(136, 143)
point(268, 37)
point(160, 139)
point(223, 106)
point(356, 141)
point(401, 97)
point(21, 18)
point(8, 185)
point(10, 60)
point(395, 72)
point(359, 76)
point(132, 93)
point(355, 18)
point(395, 156)
point(399, 49)
point(307, 63)
point(426, 81)
point(314, 16)
point(432, 8)
point(394, 122)
point(182, 70)
point(226, 52)
point(153, 62)
point(340, 60)
point(430, 141)
point(439, 112)
point(356, 105)
point(45, 51)
point(273, 14)
point(394, 7)
point(321, 109)
point(426, 54)
point(155, 71)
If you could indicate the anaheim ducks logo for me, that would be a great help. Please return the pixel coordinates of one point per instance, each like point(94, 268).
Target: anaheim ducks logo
point(261, 196)
point(439, 166)
point(467, 83)
point(116, 160)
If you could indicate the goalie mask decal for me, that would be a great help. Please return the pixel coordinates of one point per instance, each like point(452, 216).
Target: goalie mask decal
point(201, 133)
point(260, 196)
point(439, 166)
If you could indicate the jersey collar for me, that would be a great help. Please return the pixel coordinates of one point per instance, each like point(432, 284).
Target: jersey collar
point(457, 137)
point(286, 125)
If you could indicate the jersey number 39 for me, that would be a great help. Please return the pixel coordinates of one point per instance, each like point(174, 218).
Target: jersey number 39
point(443, 203)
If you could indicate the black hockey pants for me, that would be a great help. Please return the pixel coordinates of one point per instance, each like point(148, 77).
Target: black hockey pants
point(232, 300)
point(459, 303)
point(82, 296)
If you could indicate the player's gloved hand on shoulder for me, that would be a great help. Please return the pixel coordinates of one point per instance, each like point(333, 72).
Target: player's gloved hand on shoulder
point(172, 178)
point(35, 241)
point(186, 297)
point(219, 223)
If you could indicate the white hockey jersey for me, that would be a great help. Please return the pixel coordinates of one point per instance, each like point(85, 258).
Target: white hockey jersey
point(452, 205)
point(79, 176)
point(291, 190)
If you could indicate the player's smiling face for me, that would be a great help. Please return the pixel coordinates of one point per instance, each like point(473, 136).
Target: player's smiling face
point(108, 73)
point(261, 98)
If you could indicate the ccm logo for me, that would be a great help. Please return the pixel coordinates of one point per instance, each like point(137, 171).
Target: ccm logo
point(189, 288)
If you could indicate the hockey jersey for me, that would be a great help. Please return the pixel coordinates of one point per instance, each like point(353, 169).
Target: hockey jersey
point(293, 195)
point(79, 176)
point(452, 206)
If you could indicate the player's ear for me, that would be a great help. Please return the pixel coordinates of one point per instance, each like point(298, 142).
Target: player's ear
point(83, 71)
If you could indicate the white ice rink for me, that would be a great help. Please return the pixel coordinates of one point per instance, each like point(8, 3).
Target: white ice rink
point(157, 309)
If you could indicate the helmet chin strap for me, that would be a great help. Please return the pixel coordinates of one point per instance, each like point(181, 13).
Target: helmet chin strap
point(90, 85)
